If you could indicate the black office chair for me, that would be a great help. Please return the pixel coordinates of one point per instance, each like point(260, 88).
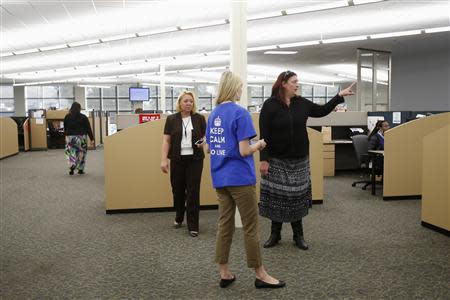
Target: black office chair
point(361, 146)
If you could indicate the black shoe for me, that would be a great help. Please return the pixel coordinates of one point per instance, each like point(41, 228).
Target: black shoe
point(72, 168)
point(300, 243)
point(259, 284)
point(272, 241)
point(226, 282)
point(81, 172)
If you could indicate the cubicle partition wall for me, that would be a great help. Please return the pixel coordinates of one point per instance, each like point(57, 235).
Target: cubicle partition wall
point(95, 121)
point(133, 179)
point(403, 154)
point(9, 142)
point(38, 133)
point(26, 135)
point(436, 179)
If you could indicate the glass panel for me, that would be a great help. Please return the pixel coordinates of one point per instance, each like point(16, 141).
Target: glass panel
point(109, 104)
point(320, 100)
point(65, 103)
point(6, 91)
point(50, 91)
point(332, 91)
point(125, 105)
point(306, 90)
point(169, 105)
point(124, 91)
point(267, 91)
point(150, 105)
point(255, 101)
point(93, 104)
point(256, 91)
point(51, 104)
point(66, 91)
point(34, 104)
point(6, 105)
point(109, 92)
point(92, 92)
point(319, 91)
point(204, 102)
point(33, 92)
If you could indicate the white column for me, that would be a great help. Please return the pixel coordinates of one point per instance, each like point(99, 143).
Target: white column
point(162, 87)
point(19, 101)
point(238, 56)
point(80, 96)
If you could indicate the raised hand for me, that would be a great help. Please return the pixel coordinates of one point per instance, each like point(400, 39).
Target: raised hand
point(348, 91)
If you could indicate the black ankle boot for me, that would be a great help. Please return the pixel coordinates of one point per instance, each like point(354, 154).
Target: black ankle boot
point(275, 235)
point(297, 228)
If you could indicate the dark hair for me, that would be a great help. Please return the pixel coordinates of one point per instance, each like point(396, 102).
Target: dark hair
point(376, 128)
point(277, 88)
point(75, 109)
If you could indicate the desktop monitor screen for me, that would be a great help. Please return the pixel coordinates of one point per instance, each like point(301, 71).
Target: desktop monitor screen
point(139, 94)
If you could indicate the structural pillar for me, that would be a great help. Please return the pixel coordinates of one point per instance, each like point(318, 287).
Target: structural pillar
point(238, 57)
point(80, 96)
point(162, 87)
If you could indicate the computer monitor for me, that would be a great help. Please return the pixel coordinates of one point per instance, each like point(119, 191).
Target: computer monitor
point(139, 94)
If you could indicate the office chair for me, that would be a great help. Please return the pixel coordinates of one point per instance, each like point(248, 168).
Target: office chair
point(361, 146)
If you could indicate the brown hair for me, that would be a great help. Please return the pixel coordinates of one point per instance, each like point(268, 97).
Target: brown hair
point(277, 89)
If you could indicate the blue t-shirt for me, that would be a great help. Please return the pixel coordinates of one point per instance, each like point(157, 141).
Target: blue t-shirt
point(229, 124)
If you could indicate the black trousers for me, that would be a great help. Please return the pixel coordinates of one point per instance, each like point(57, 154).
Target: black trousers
point(185, 177)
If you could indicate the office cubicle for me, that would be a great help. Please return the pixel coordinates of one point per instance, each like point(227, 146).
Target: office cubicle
point(436, 179)
point(403, 154)
point(133, 179)
point(9, 144)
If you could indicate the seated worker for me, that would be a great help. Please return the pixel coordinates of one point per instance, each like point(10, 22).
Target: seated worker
point(376, 142)
point(376, 137)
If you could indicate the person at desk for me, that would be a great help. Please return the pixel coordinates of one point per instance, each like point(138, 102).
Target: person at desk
point(76, 127)
point(376, 137)
point(182, 144)
point(285, 174)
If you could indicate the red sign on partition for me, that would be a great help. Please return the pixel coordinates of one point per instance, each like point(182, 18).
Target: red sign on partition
point(148, 117)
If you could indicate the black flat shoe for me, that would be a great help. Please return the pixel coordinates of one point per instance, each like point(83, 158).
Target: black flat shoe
point(81, 172)
point(226, 282)
point(72, 168)
point(259, 284)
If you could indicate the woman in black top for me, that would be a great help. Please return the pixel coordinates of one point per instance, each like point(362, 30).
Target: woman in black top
point(183, 145)
point(76, 127)
point(376, 137)
point(285, 174)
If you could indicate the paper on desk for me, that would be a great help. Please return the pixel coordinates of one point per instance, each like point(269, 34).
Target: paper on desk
point(396, 117)
point(39, 121)
point(359, 130)
point(372, 121)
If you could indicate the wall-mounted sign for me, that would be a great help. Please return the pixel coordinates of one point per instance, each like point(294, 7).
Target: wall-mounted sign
point(148, 117)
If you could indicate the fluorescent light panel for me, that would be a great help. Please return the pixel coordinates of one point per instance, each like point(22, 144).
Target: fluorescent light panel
point(261, 48)
point(437, 29)
point(299, 44)
point(323, 6)
point(281, 52)
point(345, 39)
point(55, 47)
point(395, 34)
point(84, 43)
point(26, 51)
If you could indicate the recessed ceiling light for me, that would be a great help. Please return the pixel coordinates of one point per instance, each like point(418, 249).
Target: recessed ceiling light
point(281, 52)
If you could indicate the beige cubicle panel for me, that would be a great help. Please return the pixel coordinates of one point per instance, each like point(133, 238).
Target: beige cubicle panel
point(133, 179)
point(96, 130)
point(436, 178)
point(26, 135)
point(403, 153)
point(38, 133)
point(9, 140)
point(56, 114)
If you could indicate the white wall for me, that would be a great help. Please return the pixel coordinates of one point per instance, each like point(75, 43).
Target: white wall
point(420, 75)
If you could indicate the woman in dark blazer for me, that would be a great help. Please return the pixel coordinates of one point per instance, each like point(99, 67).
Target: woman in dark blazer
point(182, 144)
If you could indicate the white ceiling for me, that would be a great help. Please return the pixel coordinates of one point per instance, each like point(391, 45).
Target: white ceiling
point(28, 25)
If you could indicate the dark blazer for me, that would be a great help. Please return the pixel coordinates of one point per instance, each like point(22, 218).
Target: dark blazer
point(77, 125)
point(174, 128)
point(375, 143)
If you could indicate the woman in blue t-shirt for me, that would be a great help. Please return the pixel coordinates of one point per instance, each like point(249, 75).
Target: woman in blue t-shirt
point(228, 135)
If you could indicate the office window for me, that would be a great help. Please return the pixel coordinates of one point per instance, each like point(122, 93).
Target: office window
point(49, 96)
point(306, 91)
point(93, 103)
point(65, 103)
point(92, 92)
point(109, 104)
point(49, 91)
point(50, 103)
point(34, 104)
point(319, 94)
point(66, 91)
point(6, 99)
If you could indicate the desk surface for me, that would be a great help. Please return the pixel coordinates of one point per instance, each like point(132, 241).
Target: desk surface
point(339, 142)
point(379, 152)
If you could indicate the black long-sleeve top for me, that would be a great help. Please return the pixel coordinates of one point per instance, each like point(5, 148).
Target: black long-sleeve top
point(77, 124)
point(284, 128)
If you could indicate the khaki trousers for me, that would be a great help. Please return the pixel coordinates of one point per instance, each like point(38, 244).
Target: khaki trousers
point(244, 197)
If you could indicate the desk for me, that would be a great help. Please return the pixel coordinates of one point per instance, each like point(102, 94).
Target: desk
point(375, 154)
point(338, 155)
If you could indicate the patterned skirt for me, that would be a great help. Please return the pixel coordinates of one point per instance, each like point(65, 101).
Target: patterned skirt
point(286, 190)
point(76, 151)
